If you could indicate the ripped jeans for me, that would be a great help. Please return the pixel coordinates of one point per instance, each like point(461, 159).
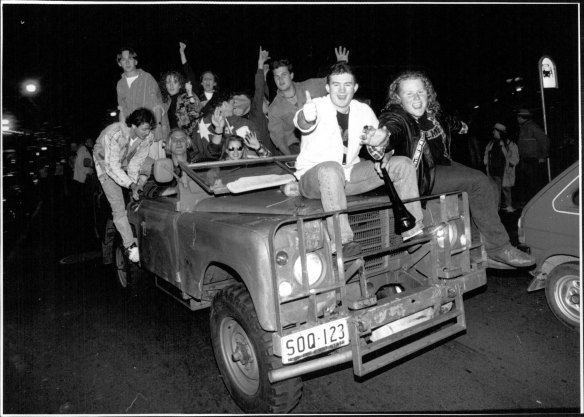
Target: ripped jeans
point(327, 182)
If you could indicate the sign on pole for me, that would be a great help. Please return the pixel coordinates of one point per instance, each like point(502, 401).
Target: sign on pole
point(548, 78)
point(547, 72)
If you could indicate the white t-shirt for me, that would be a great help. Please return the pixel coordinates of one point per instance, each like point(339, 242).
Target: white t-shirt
point(130, 80)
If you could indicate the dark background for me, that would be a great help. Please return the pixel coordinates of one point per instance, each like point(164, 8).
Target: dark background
point(468, 51)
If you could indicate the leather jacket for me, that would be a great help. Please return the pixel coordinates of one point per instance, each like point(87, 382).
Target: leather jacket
point(405, 135)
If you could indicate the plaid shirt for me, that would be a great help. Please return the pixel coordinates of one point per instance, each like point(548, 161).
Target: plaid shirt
point(114, 156)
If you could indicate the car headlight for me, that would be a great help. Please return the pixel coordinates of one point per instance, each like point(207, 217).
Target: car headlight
point(314, 268)
point(454, 232)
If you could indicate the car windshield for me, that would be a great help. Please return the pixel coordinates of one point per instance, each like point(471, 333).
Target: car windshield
point(243, 175)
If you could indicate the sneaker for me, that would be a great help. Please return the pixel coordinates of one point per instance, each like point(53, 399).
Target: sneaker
point(133, 253)
point(510, 255)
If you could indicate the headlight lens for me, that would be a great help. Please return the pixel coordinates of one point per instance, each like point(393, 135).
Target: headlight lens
point(452, 232)
point(314, 268)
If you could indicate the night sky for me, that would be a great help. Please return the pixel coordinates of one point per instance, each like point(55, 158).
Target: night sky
point(468, 50)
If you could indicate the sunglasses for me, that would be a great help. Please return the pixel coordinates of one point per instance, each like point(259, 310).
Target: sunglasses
point(239, 148)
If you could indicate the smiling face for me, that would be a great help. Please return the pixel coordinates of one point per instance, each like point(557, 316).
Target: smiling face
point(283, 78)
point(178, 143)
point(128, 63)
point(234, 149)
point(342, 88)
point(172, 85)
point(413, 96)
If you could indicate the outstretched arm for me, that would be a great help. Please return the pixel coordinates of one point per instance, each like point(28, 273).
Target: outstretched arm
point(188, 70)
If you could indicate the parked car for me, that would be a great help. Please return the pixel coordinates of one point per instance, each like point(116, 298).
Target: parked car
point(226, 236)
point(550, 227)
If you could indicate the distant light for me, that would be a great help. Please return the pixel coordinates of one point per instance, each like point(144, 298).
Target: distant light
point(5, 128)
point(30, 87)
point(44, 148)
point(113, 114)
point(38, 154)
point(517, 79)
point(22, 22)
point(476, 107)
point(5, 122)
point(495, 100)
point(518, 88)
point(509, 80)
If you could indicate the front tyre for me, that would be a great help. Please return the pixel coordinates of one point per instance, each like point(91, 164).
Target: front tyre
point(563, 293)
point(243, 352)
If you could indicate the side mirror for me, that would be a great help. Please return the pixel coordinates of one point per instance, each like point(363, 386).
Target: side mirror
point(163, 170)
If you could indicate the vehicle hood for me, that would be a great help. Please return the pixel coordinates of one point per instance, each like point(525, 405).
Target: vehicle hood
point(274, 203)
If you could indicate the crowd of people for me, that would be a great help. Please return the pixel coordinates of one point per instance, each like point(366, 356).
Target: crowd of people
point(192, 119)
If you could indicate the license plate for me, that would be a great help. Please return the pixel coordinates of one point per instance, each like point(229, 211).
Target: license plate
point(315, 340)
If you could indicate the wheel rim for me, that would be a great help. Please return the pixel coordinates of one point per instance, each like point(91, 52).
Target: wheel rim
point(121, 267)
point(567, 296)
point(239, 356)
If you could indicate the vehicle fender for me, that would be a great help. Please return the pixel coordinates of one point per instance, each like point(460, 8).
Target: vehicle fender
point(541, 275)
point(244, 253)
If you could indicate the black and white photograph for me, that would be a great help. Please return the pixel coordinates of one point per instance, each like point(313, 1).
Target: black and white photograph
point(215, 207)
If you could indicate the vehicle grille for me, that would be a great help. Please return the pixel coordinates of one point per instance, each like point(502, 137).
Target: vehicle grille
point(374, 230)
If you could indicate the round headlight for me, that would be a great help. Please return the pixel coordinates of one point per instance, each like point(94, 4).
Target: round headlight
point(313, 268)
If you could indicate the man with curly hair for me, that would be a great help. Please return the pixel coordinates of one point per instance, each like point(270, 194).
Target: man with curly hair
point(419, 130)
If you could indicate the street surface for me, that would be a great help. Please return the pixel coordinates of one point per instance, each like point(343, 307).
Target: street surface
point(74, 344)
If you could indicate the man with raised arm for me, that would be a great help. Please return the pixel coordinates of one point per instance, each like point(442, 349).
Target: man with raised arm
point(289, 99)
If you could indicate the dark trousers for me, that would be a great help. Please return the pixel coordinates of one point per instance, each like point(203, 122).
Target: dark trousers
point(482, 200)
point(531, 177)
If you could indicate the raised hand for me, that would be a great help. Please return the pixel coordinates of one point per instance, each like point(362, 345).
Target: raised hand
point(342, 54)
point(262, 58)
point(309, 109)
point(218, 120)
point(181, 47)
point(251, 141)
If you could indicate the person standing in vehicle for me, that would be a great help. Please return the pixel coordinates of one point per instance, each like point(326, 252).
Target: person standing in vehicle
point(137, 88)
point(501, 157)
point(119, 153)
point(533, 146)
point(328, 166)
point(419, 130)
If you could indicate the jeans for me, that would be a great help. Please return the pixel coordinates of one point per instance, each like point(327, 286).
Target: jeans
point(327, 182)
point(482, 200)
point(115, 196)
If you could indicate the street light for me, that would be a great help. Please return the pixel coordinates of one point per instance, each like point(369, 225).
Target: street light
point(30, 87)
